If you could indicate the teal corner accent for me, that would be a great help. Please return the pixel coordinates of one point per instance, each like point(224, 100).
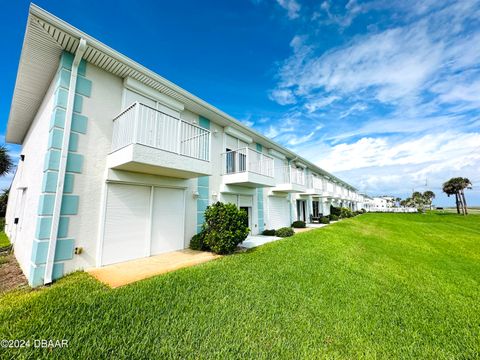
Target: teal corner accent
point(63, 251)
point(55, 139)
point(79, 123)
point(58, 118)
point(74, 163)
point(45, 204)
point(203, 186)
point(84, 86)
point(37, 274)
point(204, 122)
point(52, 160)
point(49, 184)
point(261, 221)
point(44, 226)
point(69, 205)
point(73, 142)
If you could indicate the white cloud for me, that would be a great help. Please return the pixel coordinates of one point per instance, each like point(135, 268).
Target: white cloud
point(283, 96)
point(292, 7)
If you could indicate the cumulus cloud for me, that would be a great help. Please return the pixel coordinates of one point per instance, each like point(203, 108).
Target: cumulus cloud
point(292, 7)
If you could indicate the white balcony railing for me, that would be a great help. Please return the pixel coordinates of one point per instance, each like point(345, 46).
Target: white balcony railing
point(292, 175)
point(314, 182)
point(141, 124)
point(247, 160)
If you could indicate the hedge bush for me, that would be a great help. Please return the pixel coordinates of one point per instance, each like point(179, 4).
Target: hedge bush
point(299, 224)
point(335, 210)
point(224, 227)
point(345, 213)
point(333, 217)
point(269, 232)
point(198, 242)
point(324, 220)
point(285, 232)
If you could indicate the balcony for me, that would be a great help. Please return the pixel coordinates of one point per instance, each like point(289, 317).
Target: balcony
point(293, 181)
point(247, 167)
point(314, 186)
point(149, 141)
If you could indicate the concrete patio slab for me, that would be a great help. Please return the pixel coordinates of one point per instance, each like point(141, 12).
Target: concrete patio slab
point(256, 240)
point(117, 275)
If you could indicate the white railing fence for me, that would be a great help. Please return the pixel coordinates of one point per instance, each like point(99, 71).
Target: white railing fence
point(246, 159)
point(292, 175)
point(141, 124)
point(314, 182)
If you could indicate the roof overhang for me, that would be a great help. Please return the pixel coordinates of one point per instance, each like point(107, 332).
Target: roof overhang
point(47, 36)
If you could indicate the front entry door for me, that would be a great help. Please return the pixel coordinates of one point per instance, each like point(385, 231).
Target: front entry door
point(248, 210)
point(301, 210)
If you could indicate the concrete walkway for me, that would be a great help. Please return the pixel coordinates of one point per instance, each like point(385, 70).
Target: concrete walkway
point(117, 275)
point(256, 240)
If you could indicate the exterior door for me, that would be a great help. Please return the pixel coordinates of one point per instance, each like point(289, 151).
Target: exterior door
point(301, 210)
point(126, 223)
point(248, 210)
point(168, 214)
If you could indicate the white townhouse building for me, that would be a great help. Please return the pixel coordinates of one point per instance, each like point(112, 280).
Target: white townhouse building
point(118, 163)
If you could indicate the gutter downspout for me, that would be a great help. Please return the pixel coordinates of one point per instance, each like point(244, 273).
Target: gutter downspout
point(63, 162)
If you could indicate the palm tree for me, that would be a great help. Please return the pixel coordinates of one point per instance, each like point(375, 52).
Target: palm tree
point(456, 186)
point(6, 163)
point(428, 196)
point(3, 202)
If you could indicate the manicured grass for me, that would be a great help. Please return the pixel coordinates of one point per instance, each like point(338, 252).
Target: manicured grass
point(378, 285)
point(3, 239)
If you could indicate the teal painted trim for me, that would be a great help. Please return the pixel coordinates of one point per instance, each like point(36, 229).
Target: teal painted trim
point(203, 181)
point(69, 205)
point(261, 222)
point(203, 192)
point(68, 183)
point(45, 204)
point(79, 123)
point(63, 78)
point(61, 97)
point(44, 226)
point(66, 60)
point(58, 118)
point(204, 122)
point(55, 139)
point(200, 218)
point(63, 251)
point(202, 205)
point(83, 87)
point(73, 142)
point(49, 184)
point(74, 163)
point(52, 160)
point(78, 103)
point(37, 274)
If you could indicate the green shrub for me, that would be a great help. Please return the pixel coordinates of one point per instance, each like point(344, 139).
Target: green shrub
point(269, 232)
point(285, 232)
point(198, 242)
point(225, 227)
point(324, 220)
point(335, 210)
point(333, 217)
point(299, 224)
point(363, 211)
point(345, 213)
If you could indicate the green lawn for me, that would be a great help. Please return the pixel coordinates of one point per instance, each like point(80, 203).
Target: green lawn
point(376, 286)
point(3, 239)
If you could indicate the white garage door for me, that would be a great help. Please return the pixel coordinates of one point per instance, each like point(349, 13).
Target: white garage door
point(278, 212)
point(168, 220)
point(126, 222)
point(127, 234)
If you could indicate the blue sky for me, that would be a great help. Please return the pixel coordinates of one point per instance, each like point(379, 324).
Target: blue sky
point(383, 94)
